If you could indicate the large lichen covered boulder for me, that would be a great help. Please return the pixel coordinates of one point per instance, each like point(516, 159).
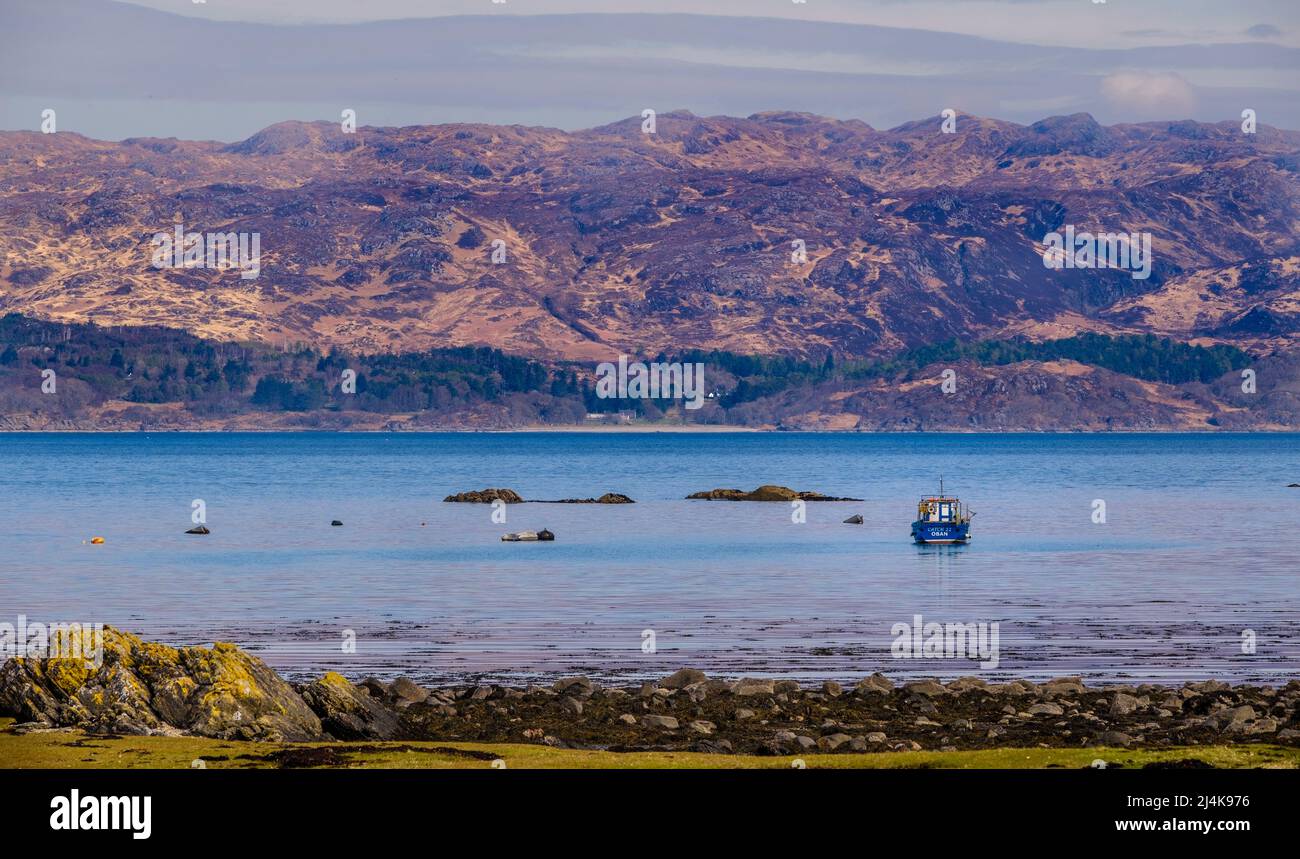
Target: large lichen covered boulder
point(73, 691)
point(145, 688)
point(349, 712)
point(238, 695)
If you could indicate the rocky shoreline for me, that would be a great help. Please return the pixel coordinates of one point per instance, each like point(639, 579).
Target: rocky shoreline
point(223, 692)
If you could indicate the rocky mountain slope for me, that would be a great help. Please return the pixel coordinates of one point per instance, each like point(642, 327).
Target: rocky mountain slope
point(620, 241)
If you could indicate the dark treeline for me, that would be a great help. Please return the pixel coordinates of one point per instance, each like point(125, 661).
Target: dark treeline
point(161, 365)
point(154, 365)
point(1143, 356)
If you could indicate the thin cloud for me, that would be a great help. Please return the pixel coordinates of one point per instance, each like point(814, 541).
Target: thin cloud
point(1264, 31)
point(1139, 93)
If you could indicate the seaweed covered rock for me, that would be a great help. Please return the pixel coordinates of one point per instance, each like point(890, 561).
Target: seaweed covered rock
point(485, 496)
point(607, 498)
point(767, 492)
point(763, 493)
point(141, 687)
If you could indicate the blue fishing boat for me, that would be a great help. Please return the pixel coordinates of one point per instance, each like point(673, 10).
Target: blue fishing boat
point(941, 519)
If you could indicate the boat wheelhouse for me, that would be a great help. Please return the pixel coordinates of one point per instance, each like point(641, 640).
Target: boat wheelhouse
point(941, 519)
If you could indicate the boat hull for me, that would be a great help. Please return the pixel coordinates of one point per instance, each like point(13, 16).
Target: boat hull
point(941, 532)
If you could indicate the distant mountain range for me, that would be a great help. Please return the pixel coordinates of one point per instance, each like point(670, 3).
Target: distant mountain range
point(618, 241)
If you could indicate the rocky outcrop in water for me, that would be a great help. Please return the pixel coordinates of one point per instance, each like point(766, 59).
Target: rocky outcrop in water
point(509, 496)
point(767, 492)
point(542, 536)
point(485, 496)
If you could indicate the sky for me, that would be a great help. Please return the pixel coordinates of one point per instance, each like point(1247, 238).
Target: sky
point(1076, 23)
point(224, 69)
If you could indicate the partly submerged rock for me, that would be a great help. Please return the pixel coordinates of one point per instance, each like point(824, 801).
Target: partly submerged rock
point(762, 493)
point(336, 524)
point(542, 536)
point(767, 492)
point(199, 529)
point(855, 519)
point(145, 688)
point(607, 498)
point(485, 496)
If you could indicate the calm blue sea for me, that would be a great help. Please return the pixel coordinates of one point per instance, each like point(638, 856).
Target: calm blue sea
point(1200, 544)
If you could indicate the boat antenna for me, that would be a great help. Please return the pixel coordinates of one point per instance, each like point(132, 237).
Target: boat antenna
point(940, 485)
